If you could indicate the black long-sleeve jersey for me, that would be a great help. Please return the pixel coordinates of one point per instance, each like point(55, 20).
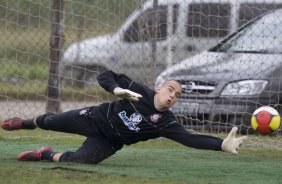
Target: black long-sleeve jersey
point(127, 122)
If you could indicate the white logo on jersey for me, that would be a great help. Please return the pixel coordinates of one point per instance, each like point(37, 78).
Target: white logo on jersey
point(136, 118)
point(131, 122)
point(155, 117)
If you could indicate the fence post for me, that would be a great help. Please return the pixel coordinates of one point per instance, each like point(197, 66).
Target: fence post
point(56, 46)
point(154, 35)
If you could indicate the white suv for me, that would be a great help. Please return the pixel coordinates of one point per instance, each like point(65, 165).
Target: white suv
point(184, 28)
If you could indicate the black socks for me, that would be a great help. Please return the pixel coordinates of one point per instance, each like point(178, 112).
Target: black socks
point(28, 124)
point(47, 155)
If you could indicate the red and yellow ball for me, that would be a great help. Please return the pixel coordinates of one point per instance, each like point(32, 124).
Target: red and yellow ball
point(265, 120)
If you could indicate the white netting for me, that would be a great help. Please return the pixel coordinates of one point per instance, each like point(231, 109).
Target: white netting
point(142, 40)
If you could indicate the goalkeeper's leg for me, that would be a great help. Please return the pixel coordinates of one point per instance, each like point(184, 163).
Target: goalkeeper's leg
point(74, 121)
point(93, 151)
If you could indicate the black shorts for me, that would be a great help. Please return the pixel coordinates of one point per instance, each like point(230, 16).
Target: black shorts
point(95, 148)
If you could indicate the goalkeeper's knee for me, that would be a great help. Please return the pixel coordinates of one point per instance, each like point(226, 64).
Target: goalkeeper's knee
point(40, 121)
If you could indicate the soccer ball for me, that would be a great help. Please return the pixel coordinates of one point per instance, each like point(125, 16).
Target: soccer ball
point(265, 120)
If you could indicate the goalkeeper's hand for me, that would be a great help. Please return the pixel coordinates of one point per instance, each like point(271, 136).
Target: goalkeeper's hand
point(231, 144)
point(127, 94)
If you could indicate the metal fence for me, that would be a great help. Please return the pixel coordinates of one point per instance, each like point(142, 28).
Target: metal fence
point(51, 52)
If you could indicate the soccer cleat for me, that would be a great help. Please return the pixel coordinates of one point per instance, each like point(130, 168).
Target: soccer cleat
point(33, 155)
point(11, 124)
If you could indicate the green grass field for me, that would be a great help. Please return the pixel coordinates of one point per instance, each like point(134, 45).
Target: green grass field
point(155, 161)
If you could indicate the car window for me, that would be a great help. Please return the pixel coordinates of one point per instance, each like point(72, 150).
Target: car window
point(142, 28)
point(262, 36)
point(248, 11)
point(208, 20)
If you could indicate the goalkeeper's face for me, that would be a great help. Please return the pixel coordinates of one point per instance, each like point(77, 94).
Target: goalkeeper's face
point(167, 94)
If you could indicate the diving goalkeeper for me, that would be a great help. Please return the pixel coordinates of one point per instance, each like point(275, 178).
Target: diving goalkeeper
point(140, 115)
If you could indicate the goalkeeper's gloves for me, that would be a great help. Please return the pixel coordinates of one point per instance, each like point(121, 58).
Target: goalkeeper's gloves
point(231, 144)
point(127, 94)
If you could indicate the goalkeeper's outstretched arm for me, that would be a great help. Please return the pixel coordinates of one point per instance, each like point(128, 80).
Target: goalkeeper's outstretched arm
point(179, 134)
point(118, 84)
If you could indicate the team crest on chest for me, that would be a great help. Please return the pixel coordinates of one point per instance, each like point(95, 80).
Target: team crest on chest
point(155, 117)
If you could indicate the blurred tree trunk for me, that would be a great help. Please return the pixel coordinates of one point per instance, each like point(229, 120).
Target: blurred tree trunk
point(56, 51)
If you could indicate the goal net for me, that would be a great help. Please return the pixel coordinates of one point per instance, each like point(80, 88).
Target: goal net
point(225, 53)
